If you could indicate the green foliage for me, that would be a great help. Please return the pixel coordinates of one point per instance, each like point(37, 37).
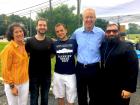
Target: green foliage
point(6, 20)
point(133, 28)
point(3, 24)
point(101, 23)
point(53, 65)
point(64, 14)
point(61, 14)
point(2, 45)
point(28, 22)
point(134, 37)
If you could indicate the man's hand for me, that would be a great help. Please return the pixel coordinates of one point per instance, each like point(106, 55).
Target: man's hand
point(125, 94)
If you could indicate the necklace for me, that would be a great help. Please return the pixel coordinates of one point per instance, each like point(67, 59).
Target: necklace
point(109, 52)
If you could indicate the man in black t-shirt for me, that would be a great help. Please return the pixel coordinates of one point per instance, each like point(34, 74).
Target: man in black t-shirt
point(64, 76)
point(39, 49)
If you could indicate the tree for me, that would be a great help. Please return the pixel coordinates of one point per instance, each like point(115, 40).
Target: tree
point(133, 28)
point(3, 24)
point(101, 23)
point(62, 14)
point(7, 20)
point(28, 22)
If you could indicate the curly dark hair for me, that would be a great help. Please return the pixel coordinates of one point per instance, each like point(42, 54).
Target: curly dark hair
point(10, 30)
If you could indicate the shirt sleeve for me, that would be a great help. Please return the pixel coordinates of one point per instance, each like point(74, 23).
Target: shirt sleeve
point(132, 69)
point(7, 61)
point(9, 67)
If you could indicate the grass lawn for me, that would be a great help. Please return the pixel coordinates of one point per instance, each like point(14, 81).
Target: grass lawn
point(2, 45)
point(134, 37)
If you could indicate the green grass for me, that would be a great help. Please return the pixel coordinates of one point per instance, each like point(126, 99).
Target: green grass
point(52, 64)
point(134, 37)
point(2, 45)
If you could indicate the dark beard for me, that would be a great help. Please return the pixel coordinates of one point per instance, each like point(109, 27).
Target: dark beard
point(114, 39)
point(41, 33)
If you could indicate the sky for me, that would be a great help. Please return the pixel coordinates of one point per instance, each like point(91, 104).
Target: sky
point(9, 6)
point(12, 6)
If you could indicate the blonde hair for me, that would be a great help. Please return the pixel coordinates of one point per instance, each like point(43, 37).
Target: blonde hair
point(89, 9)
point(60, 24)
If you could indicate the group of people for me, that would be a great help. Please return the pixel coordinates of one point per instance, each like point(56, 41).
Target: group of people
point(105, 72)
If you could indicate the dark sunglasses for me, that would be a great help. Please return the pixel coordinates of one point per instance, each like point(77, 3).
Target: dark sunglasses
point(113, 31)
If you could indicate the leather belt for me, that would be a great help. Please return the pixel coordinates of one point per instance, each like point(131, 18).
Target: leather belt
point(88, 65)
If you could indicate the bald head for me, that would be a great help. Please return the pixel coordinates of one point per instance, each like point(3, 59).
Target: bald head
point(89, 18)
point(89, 10)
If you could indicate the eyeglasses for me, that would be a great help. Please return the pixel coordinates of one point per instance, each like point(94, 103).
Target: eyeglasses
point(113, 31)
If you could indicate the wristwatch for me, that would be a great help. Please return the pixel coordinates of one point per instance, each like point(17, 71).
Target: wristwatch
point(11, 85)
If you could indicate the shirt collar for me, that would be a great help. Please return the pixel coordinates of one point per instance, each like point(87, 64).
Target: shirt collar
point(92, 31)
point(15, 44)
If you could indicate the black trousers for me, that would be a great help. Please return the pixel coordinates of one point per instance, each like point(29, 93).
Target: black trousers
point(87, 83)
point(112, 96)
point(110, 90)
point(41, 84)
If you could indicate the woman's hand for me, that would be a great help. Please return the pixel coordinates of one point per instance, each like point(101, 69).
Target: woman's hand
point(14, 91)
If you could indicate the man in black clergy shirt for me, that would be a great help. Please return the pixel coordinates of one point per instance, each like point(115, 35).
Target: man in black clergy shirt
point(119, 69)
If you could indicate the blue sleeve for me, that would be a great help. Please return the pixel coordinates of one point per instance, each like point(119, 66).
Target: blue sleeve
point(132, 69)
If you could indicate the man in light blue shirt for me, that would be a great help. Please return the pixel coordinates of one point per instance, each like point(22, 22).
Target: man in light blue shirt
point(89, 39)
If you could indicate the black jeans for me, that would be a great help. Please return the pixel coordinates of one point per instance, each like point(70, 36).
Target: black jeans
point(39, 85)
point(87, 88)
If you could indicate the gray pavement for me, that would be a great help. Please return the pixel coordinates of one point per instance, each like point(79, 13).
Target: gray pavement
point(3, 100)
point(135, 99)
